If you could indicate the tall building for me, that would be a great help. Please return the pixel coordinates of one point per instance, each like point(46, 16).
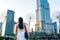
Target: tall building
point(9, 29)
point(54, 24)
point(43, 20)
point(0, 28)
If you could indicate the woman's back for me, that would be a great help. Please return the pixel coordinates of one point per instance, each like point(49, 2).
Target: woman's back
point(20, 34)
point(20, 30)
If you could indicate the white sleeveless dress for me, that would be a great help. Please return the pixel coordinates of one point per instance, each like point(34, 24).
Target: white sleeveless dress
point(20, 34)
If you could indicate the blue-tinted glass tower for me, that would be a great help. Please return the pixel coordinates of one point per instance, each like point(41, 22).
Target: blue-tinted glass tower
point(54, 24)
point(43, 20)
point(9, 22)
point(0, 28)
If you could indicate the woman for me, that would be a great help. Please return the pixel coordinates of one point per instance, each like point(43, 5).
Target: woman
point(20, 30)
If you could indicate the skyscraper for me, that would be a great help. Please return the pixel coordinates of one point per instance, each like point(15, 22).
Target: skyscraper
point(54, 24)
point(43, 20)
point(0, 28)
point(9, 22)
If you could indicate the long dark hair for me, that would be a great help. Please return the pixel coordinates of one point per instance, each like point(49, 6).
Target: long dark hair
point(20, 25)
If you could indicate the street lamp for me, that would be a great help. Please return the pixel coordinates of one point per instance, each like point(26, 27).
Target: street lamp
point(30, 18)
point(29, 21)
point(58, 17)
point(3, 17)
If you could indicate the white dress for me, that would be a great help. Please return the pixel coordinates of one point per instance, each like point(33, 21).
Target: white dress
point(20, 34)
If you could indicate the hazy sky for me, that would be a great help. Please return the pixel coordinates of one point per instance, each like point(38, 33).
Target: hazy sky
point(54, 6)
point(23, 7)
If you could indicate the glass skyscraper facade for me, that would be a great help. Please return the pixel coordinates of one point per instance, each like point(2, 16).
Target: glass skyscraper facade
point(0, 28)
point(43, 20)
point(54, 24)
point(9, 22)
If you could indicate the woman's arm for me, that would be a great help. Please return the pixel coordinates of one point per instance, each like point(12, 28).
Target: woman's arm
point(26, 29)
point(16, 32)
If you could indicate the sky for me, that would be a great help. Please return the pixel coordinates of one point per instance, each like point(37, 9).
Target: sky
point(54, 6)
point(24, 7)
point(21, 7)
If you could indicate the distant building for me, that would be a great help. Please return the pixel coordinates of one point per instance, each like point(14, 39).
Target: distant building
point(43, 20)
point(55, 27)
point(9, 22)
point(0, 28)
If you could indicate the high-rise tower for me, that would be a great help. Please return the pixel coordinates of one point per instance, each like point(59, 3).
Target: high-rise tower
point(1, 28)
point(9, 22)
point(43, 20)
